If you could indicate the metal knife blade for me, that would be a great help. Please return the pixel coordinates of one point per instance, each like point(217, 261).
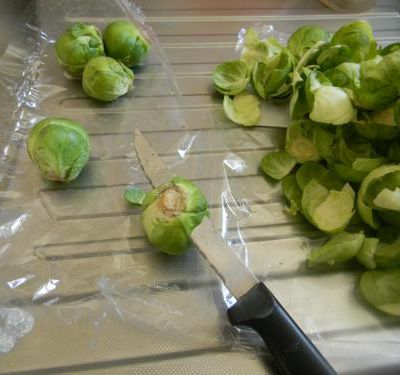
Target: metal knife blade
point(236, 276)
point(256, 306)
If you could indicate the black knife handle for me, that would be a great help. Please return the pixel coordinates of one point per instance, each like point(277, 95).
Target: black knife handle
point(292, 350)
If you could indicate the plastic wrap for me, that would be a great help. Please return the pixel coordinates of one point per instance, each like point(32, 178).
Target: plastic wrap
point(78, 280)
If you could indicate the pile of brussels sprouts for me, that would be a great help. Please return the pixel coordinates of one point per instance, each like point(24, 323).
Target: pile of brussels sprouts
point(103, 63)
point(339, 168)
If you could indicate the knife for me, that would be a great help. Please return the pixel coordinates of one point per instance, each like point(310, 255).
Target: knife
point(256, 307)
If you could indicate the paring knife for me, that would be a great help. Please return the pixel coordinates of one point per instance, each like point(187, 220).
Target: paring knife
point(256, 307)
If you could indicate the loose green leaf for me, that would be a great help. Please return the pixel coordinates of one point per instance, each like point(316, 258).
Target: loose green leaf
point(278, 164)
point(388, 255)
point(366, 254)
point(243, 109)
point(293, 193)
point(382, 290)
point(134, 195)
point(340, 248)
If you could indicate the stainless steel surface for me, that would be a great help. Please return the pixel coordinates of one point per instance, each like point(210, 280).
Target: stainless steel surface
point(117, 306)
point(237, 277)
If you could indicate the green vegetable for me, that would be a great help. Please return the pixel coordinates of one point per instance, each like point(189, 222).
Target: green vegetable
point(329, 210)
point(124, 42)
point(382, 290)
point(135, 196)
point(388, 255)
point(304, 38)
point(358, 36)
point(379, 196)
point(59, 147)
point(340, 248)
point(243, 109)
point(366, 254)
point(271, 78)
point(292, 193)
point(232, 77)
point(77, 46)
point(171, 212)
point(315, 171)
point(278, 164)
point(256, 50)
point(106, 79)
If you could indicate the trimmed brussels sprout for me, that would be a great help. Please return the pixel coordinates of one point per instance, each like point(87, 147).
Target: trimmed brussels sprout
point(77, 46)
point(232, 77)
point(292, 193)
point(59, 147)
point(243, 109)
point(304, 38)
point(170, 214)
point(329, 210)
point(278, 164)
point(379, 196)
point(106, 79)
point(124, 42)
point(366, 254)
point(358, 36)
point(271, 78)
point(382, 290)
point(340, 248)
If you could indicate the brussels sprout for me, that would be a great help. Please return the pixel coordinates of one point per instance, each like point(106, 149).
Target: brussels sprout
point(232, 77)
point(106, 79)
point(77, 46)
point(304, 38)
point(59, 147)
point(389, 49)
point(171, 212)
point(379, 196)
point(271, 78)
point(292, 193)
point(359, 38)
point(366, 254)
point(340, 248)
point(278, 164)
point(124, 42)
point(312, 170)
point(243, 109)
point(334, 55)
point(346, 75)
point(382, 290)
point(388, 255)
point(329, 210)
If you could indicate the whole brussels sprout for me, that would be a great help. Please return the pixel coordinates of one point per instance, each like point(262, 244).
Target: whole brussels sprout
point(106, 79)
point(124, 42)
point(77, 46)
point(170, 213)
point(59, 147)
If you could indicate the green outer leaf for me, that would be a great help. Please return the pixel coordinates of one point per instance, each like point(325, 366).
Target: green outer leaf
point(388, 255)
point(366, 254)
point(243, 109)
point(135, 195)
point(347, 173)
point(329, 210)
point(232, 77)
point(278, 164)
point(292, 192)
point(382, 290)
point(340, 248)
point(312, 170)
point(365, 211)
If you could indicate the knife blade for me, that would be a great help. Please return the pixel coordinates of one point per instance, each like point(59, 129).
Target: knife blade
point(256, 307)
